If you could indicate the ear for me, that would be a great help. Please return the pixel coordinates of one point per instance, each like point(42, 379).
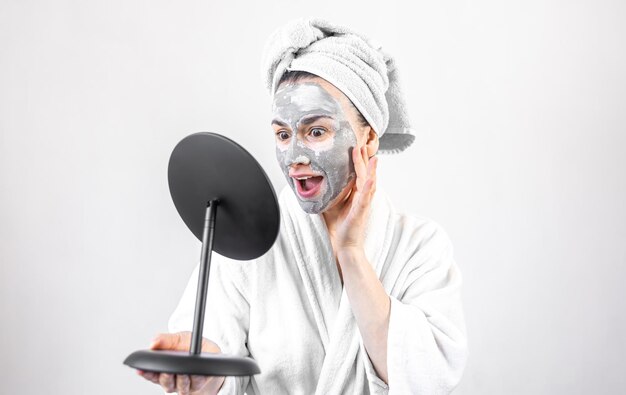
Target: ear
point(371, 142)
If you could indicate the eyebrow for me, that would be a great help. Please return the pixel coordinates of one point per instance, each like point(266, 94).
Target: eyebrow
point(309, 119)
point(279, 123)
point(305, 120)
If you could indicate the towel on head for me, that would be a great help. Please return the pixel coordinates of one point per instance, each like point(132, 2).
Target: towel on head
point(353, 63)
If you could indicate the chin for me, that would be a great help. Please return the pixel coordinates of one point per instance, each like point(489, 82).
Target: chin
point(312, 207)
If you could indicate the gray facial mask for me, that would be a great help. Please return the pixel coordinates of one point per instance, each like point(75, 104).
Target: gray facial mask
point(332, 159)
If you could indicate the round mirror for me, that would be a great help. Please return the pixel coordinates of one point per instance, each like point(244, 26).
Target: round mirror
point(206, 166)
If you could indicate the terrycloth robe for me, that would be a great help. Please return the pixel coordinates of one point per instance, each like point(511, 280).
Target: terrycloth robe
point(288, 309)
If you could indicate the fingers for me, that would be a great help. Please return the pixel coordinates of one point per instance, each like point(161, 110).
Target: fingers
point(150, 376)
point(359, 167)
point(183, 383)
point(180, 341)
point(210, 346)
point(369, 182)
point(171, 341)
point(167, 382)
point(365, 195)
point(363, 166)
point(197, 382)
point(366, 158)
point(371, 171)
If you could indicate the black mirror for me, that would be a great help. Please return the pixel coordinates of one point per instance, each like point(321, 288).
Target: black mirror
point(228, 202)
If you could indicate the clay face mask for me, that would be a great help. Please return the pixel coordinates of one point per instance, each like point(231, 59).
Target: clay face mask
point(313, 130)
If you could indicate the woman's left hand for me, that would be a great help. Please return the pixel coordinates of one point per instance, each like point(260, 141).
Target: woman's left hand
point(353, 218)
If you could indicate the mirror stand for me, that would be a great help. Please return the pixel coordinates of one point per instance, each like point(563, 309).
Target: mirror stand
point(195, 361)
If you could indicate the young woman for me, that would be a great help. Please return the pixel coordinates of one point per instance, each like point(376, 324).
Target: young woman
point(353, 297)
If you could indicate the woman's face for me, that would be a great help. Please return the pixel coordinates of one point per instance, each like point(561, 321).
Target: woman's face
point(313, 124)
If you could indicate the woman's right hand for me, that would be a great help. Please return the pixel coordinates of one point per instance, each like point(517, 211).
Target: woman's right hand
point(180, 383)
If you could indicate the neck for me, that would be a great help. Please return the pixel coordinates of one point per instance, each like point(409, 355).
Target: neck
point(332, 216)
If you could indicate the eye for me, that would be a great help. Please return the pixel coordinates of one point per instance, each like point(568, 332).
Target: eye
point(317, 132)
point(282, 135)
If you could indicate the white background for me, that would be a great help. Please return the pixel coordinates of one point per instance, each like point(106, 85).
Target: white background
point(519, 107)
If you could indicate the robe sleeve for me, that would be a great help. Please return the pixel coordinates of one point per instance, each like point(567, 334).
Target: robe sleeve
point(426, 342)
point(226, 316)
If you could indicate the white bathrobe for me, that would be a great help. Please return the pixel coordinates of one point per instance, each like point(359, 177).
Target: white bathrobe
point(288, 309)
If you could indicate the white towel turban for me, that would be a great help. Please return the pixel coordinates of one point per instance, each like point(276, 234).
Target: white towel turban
point(356, 65)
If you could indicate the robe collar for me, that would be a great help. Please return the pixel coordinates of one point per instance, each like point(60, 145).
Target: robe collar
point(308, 236)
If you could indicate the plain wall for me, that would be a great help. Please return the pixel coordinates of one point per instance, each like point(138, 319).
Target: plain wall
point(519, 109)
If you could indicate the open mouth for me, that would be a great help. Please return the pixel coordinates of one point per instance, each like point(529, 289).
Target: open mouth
point(308, 187)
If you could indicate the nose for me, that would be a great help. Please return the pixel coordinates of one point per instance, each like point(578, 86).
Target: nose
point(295, 155)
point(300, 160)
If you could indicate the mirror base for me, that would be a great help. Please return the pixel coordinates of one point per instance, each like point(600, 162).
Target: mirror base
point(182, 362)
